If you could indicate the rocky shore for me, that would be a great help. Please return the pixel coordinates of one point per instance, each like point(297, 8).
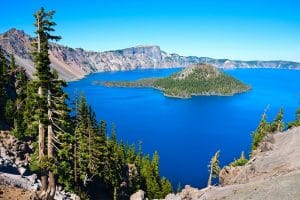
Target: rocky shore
point(273, 173)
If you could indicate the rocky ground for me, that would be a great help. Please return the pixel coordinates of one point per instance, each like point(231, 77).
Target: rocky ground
point(16, 181)
point(272, 174)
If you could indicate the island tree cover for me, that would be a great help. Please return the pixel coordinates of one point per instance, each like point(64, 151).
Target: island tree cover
point(73, 151)
point(200, 79)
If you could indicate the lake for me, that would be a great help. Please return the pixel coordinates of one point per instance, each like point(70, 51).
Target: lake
point(187, 132)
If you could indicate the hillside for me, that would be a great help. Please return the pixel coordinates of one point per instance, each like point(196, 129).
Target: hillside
point(195, 80)
point(273, 173)
point(74, 63)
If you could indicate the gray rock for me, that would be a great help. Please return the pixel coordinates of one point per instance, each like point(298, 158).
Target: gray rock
point(139, 195)
point(172, 197)
point(32, 178)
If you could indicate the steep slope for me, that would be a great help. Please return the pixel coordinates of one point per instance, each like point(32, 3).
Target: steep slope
point(74, 63)
point(273, 173)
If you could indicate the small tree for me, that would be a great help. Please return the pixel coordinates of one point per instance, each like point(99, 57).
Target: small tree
point(214, 168)
point(278, 124)
point(261, 131)
point(297, 121)
point(239, 162)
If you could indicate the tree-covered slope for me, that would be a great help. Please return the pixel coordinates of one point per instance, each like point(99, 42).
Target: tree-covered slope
point(199, 79)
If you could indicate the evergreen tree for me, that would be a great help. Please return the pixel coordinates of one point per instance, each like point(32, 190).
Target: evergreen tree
point(30, 114)
point(297, 120)
point(82, 148)
point(3, 94)
point(166, 187)
point(214, 168)
point(114, 166)
point(262, 130)
point(21, 91)
point(9, 112)
point(278, 124)
point(62, 138)
point(44, 26)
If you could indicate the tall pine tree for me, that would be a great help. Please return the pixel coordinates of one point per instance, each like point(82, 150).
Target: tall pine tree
point(44, 27)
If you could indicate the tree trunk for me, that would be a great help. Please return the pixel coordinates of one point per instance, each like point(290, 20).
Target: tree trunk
point(42, 152)
point(52, 184)
point(115, 193)
point(210, 177)
point(90, 151)
point(75, 159)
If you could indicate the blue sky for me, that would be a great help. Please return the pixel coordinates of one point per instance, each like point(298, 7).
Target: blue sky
point(246, 30)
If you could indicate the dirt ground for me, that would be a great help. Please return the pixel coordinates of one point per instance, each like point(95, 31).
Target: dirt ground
point(13, 193)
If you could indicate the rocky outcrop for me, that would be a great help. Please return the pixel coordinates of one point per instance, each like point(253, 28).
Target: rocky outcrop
point(13, 151)
point(14, 173)
point(272, 173)
point(74, 63)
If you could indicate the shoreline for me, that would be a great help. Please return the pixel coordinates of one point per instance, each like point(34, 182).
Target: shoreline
point(159, 68)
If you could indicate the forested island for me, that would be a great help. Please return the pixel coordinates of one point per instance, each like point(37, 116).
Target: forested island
point(195, 80)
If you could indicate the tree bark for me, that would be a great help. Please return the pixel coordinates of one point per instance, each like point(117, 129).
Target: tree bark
point(115, 193)
point(75, 160)
point(42, 149)
point(210, 176)
point(90, 151)
point(52, 184)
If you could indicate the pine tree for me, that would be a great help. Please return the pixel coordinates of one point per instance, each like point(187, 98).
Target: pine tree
point(82, 148)
point(298, 117)
point(214, 168)
point(262, 130)
point(150, 179)
point(61, 132)
point(21, 91)
point(166, 187)
point(114, 168)
point(30, 114)
point(3, 94)
point(278, 124)
point(44, 26)
point(297, 120)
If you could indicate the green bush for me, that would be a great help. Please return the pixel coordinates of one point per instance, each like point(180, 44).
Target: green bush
point(239, 162)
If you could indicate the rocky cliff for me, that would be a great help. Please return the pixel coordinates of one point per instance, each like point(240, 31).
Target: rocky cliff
point(74, 63)
point(272, 173)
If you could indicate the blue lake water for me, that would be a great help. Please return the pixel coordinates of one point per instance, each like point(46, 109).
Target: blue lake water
point(188, 132)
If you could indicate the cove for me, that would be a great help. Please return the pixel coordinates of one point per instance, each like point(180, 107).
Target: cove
point(187, 132)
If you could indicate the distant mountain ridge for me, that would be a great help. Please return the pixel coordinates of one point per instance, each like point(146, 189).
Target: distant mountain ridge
point(75, 63)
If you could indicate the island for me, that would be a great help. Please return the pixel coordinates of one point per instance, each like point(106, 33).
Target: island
point(195, 80)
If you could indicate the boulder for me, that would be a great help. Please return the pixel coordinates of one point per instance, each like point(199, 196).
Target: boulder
point(139, 195)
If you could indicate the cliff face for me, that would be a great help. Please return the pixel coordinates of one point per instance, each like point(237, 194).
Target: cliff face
point(272, 173)
point(74, 63)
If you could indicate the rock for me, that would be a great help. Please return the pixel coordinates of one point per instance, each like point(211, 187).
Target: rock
point(172, 197)
point(32, 178)
point(139, 195)
point(22, 170)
